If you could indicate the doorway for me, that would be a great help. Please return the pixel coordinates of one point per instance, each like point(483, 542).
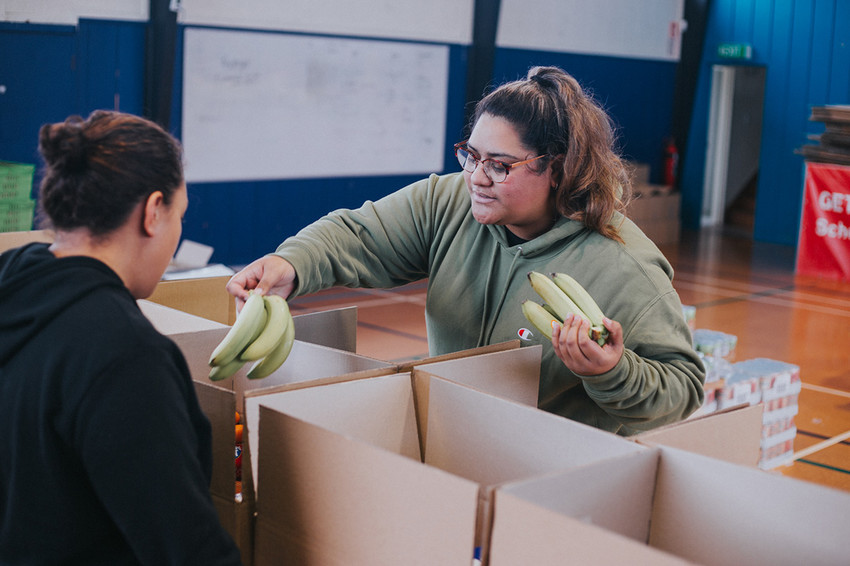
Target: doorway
point(734, 146)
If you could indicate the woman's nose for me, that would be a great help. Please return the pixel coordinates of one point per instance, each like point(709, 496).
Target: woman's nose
point(479, 177)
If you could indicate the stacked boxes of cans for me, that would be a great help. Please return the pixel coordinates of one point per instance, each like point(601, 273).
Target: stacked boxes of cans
point(717, 349)
point(714, 343)
point(774, 384)
point(777, 386)
point(16, 203)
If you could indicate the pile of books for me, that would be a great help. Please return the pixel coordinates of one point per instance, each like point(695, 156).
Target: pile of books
point(833, 145)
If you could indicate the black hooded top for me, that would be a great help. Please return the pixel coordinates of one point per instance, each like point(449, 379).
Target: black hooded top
point(105, 455)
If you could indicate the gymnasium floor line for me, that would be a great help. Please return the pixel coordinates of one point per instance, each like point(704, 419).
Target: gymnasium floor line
point(825, 466)
point(832, 441)
point(787, 297)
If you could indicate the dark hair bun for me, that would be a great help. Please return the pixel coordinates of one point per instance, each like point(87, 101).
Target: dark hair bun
point(64, 146)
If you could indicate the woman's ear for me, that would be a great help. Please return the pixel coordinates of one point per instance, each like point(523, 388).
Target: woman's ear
point(556, 172)
point(152, 213)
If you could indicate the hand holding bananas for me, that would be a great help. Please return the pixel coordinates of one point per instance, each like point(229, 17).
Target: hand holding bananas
point(268, 275)
point(263, 333)
point(583, 338)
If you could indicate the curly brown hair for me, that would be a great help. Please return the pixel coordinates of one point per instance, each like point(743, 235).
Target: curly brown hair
point(553, 115)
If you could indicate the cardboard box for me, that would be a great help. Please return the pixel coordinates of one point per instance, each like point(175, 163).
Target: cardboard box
point(9, 240)
point(335, 328)
point(657, 214)
point(307, 364)
point(343, 477)
point(733, 435)
point(204, 296)
point(638, 172)
point(668, 506)
point(503, 371)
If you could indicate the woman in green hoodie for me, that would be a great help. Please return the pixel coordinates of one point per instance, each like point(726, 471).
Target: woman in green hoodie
point(541, 189)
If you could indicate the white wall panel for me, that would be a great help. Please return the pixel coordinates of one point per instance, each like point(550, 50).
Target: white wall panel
point(442, 21)
point(70, 11)
point(643, 29)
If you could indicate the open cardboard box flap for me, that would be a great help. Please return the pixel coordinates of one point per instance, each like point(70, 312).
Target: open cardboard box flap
point(693, 508)
point(350, 444)
point(512, 373)
point(732, 435)
point(408, 365)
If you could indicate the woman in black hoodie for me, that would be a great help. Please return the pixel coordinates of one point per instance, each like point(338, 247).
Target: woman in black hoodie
point(106, 455)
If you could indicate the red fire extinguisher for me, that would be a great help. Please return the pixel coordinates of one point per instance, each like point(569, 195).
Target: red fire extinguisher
point(670, 163)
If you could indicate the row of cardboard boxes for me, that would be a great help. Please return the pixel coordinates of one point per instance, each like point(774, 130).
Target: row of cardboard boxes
point(333, 435)
point(352, 460)
point(774, 384)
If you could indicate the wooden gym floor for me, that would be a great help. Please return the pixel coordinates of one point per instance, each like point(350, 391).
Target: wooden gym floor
point(738, 286)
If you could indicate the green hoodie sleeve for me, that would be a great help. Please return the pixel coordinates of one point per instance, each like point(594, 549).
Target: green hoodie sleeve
point(659, 379)
point(382, 244)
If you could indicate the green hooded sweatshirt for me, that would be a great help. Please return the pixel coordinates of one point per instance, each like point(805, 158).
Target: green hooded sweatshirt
point(477, 282)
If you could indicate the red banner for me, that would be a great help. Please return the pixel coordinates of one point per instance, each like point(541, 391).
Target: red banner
point(824, 245)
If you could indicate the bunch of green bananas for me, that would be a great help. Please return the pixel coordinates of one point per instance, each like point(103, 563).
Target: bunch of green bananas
point(263, 333)
point(562, 296)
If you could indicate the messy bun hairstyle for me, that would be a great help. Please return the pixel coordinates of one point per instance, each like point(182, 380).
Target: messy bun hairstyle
point(554, 116)
point(97, 170)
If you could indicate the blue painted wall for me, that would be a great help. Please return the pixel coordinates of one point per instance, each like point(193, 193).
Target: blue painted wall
point(52, 72)
point(805, 47)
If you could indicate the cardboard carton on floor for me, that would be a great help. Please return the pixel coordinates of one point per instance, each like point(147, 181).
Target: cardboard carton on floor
point(344, 477)
point(307, 364)
point(668, 506)
point(656, 211)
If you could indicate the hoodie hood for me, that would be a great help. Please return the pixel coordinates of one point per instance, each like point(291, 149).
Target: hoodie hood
point(36, 286)
point(558, 235)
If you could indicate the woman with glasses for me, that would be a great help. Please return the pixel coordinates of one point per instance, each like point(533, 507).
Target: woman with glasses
point(541, 189)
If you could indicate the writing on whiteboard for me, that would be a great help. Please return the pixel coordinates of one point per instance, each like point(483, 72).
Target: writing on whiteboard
point(259, 105)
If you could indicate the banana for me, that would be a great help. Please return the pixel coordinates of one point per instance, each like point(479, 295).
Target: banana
point(275, 359)
point(565, 296)
point(580, 297)
point(277, 318)
point(248, 325)
point(539, 316)
point(217, 373)
point(560, 303)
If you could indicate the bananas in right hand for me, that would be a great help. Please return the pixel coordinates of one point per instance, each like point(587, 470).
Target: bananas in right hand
point(263, 333)
point(563, 296)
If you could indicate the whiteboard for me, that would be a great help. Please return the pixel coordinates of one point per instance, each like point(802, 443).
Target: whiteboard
point(260, 105)
point(643, 29)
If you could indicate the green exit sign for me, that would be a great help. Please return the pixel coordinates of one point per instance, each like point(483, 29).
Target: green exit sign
point(735, 50)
